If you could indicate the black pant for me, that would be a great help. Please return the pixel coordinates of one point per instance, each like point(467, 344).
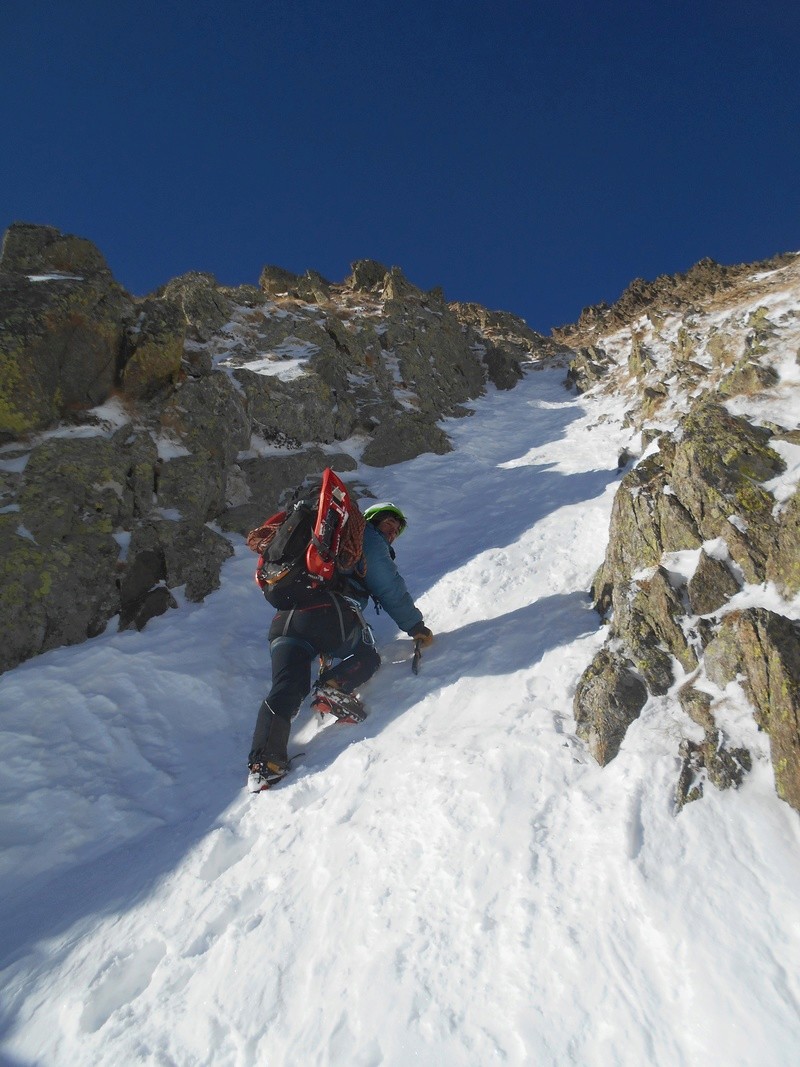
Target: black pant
point(330, 628)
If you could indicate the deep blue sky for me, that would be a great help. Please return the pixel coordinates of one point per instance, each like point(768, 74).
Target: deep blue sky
point(533, 157)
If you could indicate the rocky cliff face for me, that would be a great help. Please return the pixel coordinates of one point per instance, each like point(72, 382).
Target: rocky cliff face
point(135, 434)
point(701, 581)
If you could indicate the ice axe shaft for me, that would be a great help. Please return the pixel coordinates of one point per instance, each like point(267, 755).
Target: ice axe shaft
point(416, 657)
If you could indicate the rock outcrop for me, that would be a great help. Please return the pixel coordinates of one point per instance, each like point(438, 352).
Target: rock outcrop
point(708, 364)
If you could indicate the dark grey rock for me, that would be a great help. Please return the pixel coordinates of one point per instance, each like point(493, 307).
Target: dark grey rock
point(783, 558)
point(367, 275)
point(711, 585)
point(403, 437)
point(720, 464)
point(609, 697)
point(763, 649)
point(710, 760)
point(32, 249)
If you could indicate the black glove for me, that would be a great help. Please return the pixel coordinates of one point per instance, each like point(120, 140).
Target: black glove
point(422, 634)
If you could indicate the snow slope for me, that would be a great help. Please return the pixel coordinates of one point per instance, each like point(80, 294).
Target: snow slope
point(453, 882)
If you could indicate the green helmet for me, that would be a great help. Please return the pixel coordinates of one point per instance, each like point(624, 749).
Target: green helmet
point(376, 512)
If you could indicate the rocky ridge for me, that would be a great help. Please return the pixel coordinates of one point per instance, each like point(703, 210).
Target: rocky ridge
point(700, 586)
point(138, 434)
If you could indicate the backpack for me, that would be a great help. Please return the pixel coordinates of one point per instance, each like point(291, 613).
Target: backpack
point(311, 546)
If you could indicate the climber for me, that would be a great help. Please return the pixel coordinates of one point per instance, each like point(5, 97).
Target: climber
point(332, 626)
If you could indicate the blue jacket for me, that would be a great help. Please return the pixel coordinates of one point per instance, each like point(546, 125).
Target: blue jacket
point(384, 582)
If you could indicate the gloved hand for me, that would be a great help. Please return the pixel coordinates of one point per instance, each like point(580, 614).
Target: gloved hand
point(422, 634)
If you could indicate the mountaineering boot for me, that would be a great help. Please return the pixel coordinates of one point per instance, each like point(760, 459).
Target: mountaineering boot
point(271, 763)
point(346, 707)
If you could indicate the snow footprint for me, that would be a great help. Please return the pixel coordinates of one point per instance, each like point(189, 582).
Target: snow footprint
point(635, 825)
point(238, 913)
point(306, 792)
point(226, 851)
point(121, 981)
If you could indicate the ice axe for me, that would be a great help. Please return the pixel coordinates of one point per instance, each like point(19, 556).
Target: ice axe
point(417, 656)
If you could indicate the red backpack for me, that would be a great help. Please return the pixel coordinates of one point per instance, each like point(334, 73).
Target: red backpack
point(309, 546)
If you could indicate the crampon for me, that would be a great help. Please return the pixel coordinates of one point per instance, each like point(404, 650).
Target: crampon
point(346, 707)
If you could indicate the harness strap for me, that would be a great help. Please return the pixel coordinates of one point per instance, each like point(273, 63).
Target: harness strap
point(284, 640)
point(341, 617)
point(367, 636)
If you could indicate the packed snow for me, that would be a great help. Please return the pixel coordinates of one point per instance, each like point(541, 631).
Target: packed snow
point(454, 882)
